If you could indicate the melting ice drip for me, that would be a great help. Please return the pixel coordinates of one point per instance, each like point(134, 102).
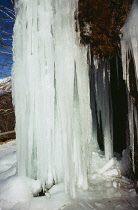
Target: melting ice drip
point(51, 95)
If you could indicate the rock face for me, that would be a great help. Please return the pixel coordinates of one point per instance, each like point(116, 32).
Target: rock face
point(7, 116)
point(100, 23)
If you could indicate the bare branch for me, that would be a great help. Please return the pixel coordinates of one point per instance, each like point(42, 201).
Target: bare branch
point(5, 46)
point(7, 64)
point(9, 10)
point(5, 39)
point(9, 20)
point(6, 52)
point(7, 14)
point(6, 32)
point(4, 20)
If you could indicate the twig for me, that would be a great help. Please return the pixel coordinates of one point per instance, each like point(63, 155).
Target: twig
point(6, 53)
point(6, 32)
point(6, 133)
point(6, 14)
point(9, 10)
point(5, 39)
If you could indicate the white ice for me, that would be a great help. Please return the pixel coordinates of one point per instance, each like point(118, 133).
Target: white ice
point(51, 95)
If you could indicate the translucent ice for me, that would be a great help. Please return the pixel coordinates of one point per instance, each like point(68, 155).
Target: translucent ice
point(51, 94)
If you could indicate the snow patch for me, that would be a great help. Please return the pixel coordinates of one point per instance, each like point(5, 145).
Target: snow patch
point(19, 189)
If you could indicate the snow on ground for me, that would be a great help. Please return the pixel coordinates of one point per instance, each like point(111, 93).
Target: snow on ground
point(19, 193)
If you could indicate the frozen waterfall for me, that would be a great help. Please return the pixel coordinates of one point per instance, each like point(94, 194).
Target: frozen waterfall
point(51, 95)
point(59, 121)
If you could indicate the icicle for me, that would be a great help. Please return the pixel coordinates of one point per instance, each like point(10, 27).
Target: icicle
point(131, 128)
point(136, 122)
point(102, 99)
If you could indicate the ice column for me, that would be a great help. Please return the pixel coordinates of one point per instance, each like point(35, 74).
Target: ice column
point(51, 94)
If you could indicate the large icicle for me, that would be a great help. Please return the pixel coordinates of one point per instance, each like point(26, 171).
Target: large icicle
point(101, 104)
point(51, 94)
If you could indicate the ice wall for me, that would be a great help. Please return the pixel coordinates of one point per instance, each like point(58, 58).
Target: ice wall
point(129, 48)
point(51, 95)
